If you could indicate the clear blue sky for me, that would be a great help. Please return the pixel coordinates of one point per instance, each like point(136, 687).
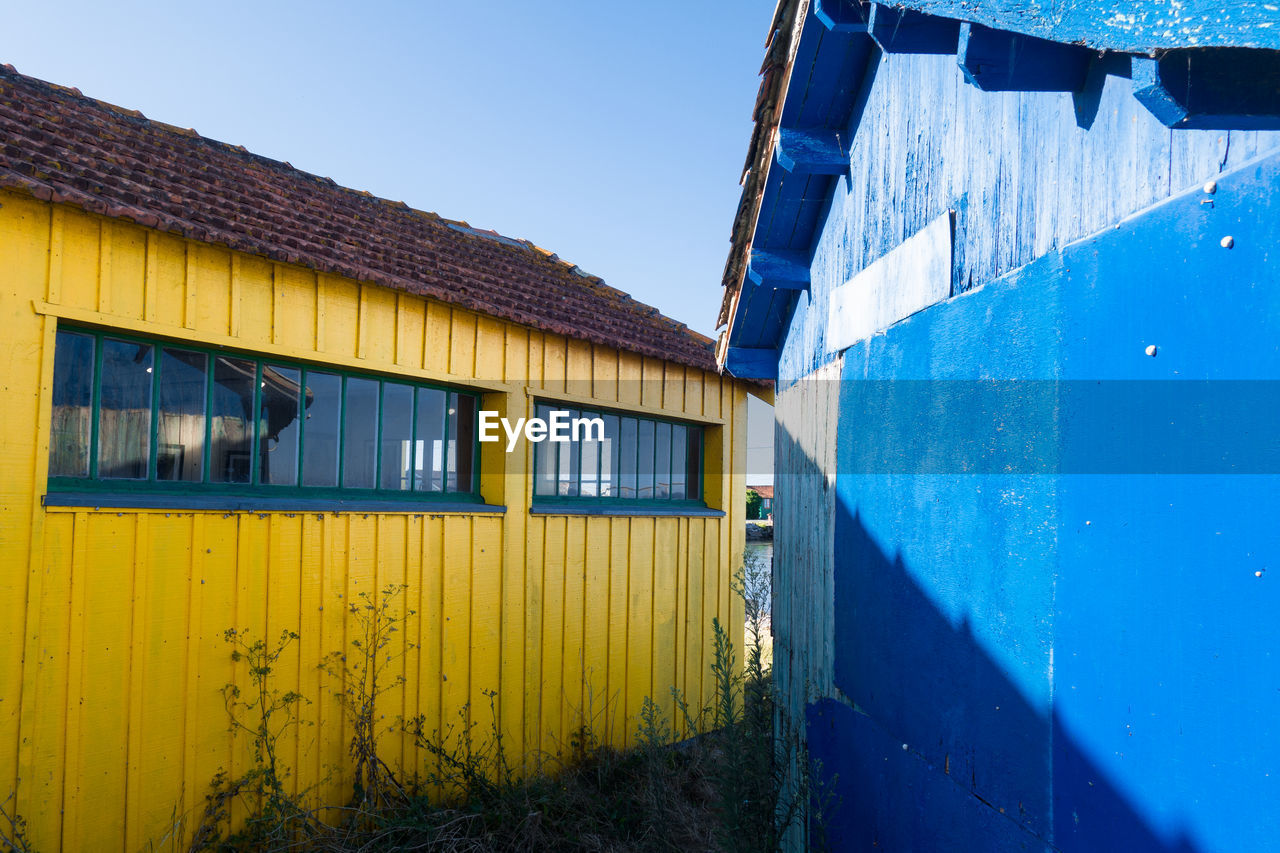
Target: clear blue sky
point(610, 133)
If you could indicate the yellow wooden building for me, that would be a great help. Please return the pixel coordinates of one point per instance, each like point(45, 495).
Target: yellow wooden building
point(235, 395)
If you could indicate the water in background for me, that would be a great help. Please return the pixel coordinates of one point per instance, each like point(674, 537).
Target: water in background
point(757, 569)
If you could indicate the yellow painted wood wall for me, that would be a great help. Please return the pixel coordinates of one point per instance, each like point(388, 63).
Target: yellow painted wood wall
point(112, 659)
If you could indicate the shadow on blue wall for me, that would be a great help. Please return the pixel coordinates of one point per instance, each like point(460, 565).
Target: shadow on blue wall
point(1054, 591)
point(996, 774)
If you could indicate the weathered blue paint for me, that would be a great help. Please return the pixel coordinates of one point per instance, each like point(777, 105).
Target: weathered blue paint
point(902, 802)
point(1082, 661)
point(752, 362)
point(1222, 87)
point(1001, 61)
point(786, 270)
point(1022, 173)
point(842, 16)
point(815, 151)
point(898, 30)
point(1124, 25)
point(1069, 646)
point(835, 70)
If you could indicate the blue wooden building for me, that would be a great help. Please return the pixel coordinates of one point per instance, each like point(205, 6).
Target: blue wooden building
point(1014, 267)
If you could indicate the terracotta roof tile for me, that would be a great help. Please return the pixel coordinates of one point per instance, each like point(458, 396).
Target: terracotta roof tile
point(62, 147)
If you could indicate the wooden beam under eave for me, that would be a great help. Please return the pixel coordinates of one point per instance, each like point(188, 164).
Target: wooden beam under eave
point(899, 30)
point(841, 16)
point(1211, 88)
point(812, 151)
point(780, 270)
point(1001, 61)
point(752, 362)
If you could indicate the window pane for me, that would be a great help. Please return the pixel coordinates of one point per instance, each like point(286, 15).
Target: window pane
point(461, 426)
point(589, 476)
point(569, 450)
point(323, 401)
point(548, 466)
point(464, 438)
point(397, 436)
point(231, 421)
point(662, 461)
point(609, 458)
point(644, 487)
point(184, 377)
point(627, 447)
point(281, 391)
point(72, 405)
point(428, 464)
point(360, 434)
point(694, 468)
point(124, 426)
point(679, 461)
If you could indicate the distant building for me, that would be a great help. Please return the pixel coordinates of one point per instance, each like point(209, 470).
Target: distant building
point(1026, 553)
point(766, 499)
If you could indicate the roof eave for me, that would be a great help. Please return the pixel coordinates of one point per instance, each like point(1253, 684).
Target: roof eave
point(788, 21)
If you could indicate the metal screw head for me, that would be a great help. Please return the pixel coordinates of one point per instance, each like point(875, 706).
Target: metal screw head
point(1211, 187)
point(1227, 242)
point(1151, 350)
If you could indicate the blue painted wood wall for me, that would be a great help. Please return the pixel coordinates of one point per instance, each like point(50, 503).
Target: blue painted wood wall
point(1061, 660)
point(1025, 176)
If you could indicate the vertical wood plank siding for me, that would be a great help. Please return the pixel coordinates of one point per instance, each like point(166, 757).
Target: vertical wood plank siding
point(112, 656)
point(806, 416)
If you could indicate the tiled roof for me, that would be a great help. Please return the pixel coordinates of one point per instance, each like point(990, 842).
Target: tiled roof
point(775, 72)
point(60, 146)
point(765, 492)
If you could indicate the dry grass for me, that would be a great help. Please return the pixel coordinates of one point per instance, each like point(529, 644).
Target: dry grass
point(719, 791)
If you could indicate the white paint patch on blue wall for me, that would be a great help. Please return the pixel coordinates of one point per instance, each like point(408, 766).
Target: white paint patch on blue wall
point(907, 279)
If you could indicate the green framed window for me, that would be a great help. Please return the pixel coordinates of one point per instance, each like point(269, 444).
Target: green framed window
point(627, 460)
point(136, 414)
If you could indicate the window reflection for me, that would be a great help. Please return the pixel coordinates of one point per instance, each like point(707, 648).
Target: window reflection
point(278, 454)
point(662, 461)
point(679, 466)
point(693, 453)
point(545, 459)
point(126, 409)
point(462, 436)
point(360, 434)
point(627, 457)
point(618, 458)
point(589, 468)
point(428, 464)
point(397, 437)
point(459, 422)
point(124, 420)
point(231, 420)
point(609, 458)
point(72, 405)
point(644, 461)
point(320, 435)
point(183, 389)
point(570, 459)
